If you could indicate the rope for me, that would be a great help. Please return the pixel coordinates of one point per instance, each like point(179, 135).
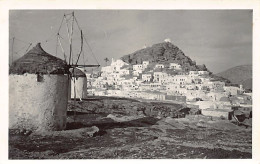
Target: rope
point(61, 24)
point(62, 48)
point(86, 41)
point(20, 49)
point(90, 49)
point(28, 47)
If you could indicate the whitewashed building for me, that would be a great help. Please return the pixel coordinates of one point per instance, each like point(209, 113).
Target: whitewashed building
point(138, 67)
point(145, 64)
point(175, 66)
point(146, 77)
point(203, 72)
point(117, 64)
point(159, 66)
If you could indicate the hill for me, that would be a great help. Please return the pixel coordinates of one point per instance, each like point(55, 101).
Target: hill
point(163, 53)
point(239, 75)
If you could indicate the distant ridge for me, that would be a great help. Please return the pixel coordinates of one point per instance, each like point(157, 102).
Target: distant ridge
point(239, 75)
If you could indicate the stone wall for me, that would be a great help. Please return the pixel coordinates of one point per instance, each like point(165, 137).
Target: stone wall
point(225, 114)
point(38, 102)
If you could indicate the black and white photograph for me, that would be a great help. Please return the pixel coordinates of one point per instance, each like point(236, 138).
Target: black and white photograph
point(130, 84)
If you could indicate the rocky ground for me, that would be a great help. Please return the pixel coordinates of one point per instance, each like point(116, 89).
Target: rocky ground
point(121, 128)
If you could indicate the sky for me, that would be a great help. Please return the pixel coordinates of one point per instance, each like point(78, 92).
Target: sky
point(220, 39)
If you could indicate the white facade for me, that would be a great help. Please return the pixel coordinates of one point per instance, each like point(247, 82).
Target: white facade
point(107, 69)
point(217, 113)
point(137, 67)
point(124, 72)
point(117, 64)
point(193, 74)
point(78, 87)
point(215, 96)
point(38, 102)
point(137, 72)
point(160, 77)
point(180, 79)
point(146, 77)
point(175, 66)
point(216, 85)
point(145, 64)
point(231, 90)
point(159, 66)
point(203, 72)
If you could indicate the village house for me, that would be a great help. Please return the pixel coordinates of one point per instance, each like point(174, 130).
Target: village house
point(146, 77)
point(221, 113)
point(106, 70)
point(215, 96)
point(137, 72)
point(159, 66)
point(231, 90)
point(190, 86)
point(203, 72)
point(182, 91)
point(123, 72)
point(160, 77)
point(215, 86)
point(180, 79)
point(144, 87)
point(193, 73)
point(175, 66)
point(155, 86)
point(117, 64)
point(183, 73)
point(195, 94)
point(138, 67)
point(145, 64)
point(224, 103)
point(172, 88)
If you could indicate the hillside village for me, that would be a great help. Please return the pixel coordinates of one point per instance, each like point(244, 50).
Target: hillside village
point(166, 83)
point(153, 103)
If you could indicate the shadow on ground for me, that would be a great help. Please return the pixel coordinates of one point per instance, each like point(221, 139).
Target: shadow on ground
point(108, 123)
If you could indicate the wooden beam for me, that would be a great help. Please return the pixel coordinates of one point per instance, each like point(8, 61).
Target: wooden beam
point(76, 65)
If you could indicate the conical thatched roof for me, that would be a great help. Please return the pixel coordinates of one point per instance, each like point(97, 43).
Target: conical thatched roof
point(77, 73)
point(38, 61)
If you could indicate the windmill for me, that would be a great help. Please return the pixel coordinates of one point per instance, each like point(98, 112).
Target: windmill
point(66, 47)
point(71, 22)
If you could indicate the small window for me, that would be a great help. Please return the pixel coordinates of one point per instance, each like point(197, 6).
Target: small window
point(40, 78)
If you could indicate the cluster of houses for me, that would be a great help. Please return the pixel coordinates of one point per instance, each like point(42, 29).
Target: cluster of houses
point(166, 83)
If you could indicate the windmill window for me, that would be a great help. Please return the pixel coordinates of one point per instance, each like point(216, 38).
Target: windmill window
point(39, 78)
